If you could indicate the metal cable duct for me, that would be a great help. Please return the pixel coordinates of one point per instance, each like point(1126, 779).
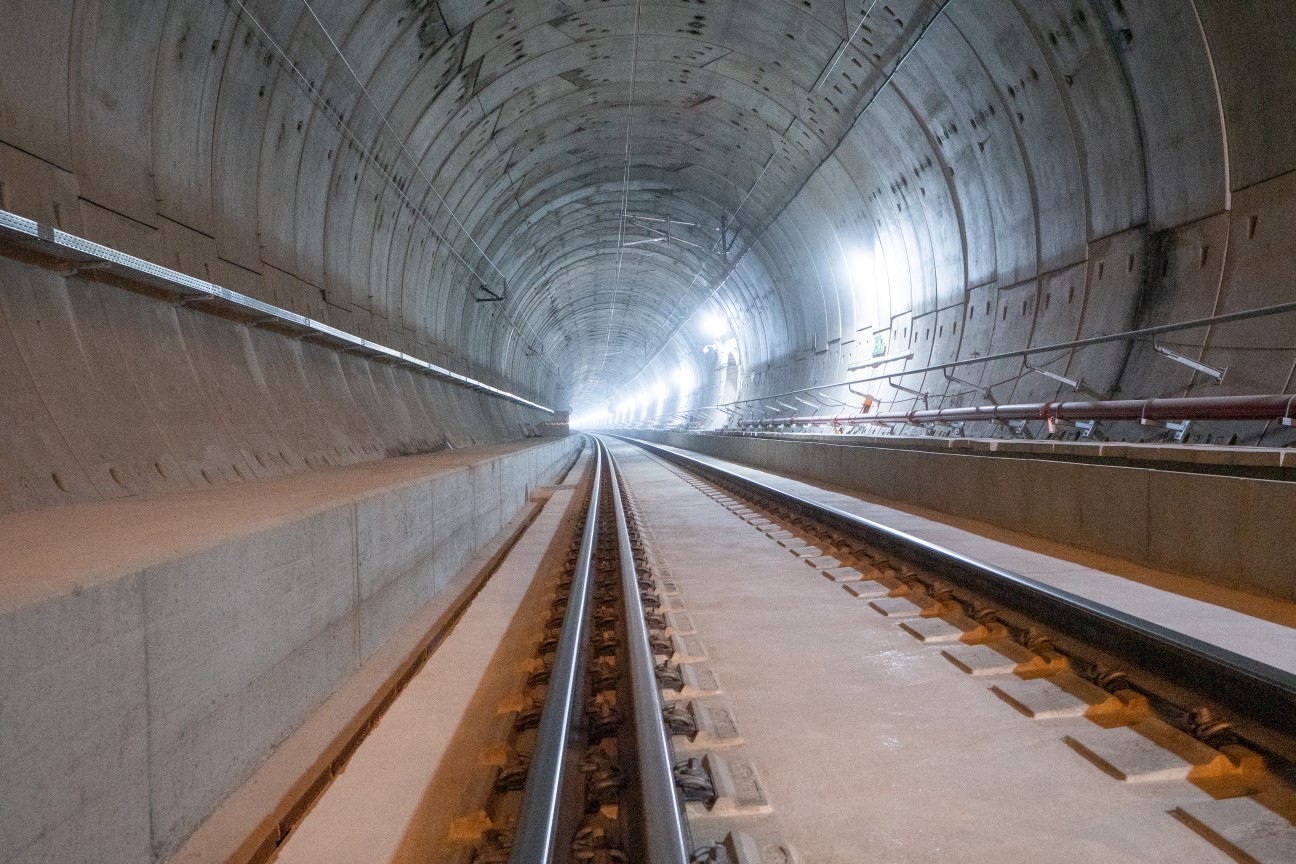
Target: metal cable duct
point(1272, 407)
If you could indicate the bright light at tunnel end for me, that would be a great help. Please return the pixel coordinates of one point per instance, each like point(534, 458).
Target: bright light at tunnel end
point(598, 417)
point(669, 388)
point(714, 325)
point(683, 378)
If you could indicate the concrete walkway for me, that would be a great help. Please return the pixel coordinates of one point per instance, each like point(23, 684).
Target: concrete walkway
point(1207, 612)
point(422, 767)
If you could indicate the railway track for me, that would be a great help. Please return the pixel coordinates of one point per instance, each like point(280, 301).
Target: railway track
point(1206, 690)
point(671, 625)
point(600, 782)
point(1164, 705)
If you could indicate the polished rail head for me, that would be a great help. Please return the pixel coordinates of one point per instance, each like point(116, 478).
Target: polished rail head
point(536, 836)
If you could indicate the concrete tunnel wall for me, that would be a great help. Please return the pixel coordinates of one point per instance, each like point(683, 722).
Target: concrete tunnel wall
point(1036, 173)
point(108, 394)
point(950, 178)
point(454, 178)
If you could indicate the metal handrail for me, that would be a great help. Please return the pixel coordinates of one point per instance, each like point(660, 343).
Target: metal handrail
point(1087, 342)
point(1248, 686)
point(535, 836)
point(665, 839)
point(81, 252)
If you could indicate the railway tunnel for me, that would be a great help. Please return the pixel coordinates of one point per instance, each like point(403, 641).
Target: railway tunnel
point(705, 430)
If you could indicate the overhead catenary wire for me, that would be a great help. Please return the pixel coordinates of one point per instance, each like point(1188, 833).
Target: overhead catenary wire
point(400, 142)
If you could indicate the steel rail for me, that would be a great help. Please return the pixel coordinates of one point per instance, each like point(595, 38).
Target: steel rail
point(665, 838)
point(535, 837)
point(1243, 685)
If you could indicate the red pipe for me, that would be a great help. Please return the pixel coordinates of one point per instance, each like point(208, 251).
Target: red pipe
point(1270, 407)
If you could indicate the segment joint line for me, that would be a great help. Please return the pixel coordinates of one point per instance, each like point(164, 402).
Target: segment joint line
point(323, 105)
point(400, 142)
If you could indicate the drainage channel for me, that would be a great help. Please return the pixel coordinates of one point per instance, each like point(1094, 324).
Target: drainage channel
point(1165, 706)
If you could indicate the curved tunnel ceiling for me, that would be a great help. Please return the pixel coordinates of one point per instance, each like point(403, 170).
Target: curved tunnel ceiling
point(839, 179)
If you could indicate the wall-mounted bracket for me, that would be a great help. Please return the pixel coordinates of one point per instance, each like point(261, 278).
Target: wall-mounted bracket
point(869, 398)
point(806, 402)
point(1085, 427)
point(1217, 374)
point(1076, 384)
point(194, 301)
point(76, 268)
point(1180, 429)
point(903, 389)
point(662, 235)
point(1016, 427)
point(831, 399)
point(727, 240)
point(880, 361)
point(486, 295)
point(984, 391)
